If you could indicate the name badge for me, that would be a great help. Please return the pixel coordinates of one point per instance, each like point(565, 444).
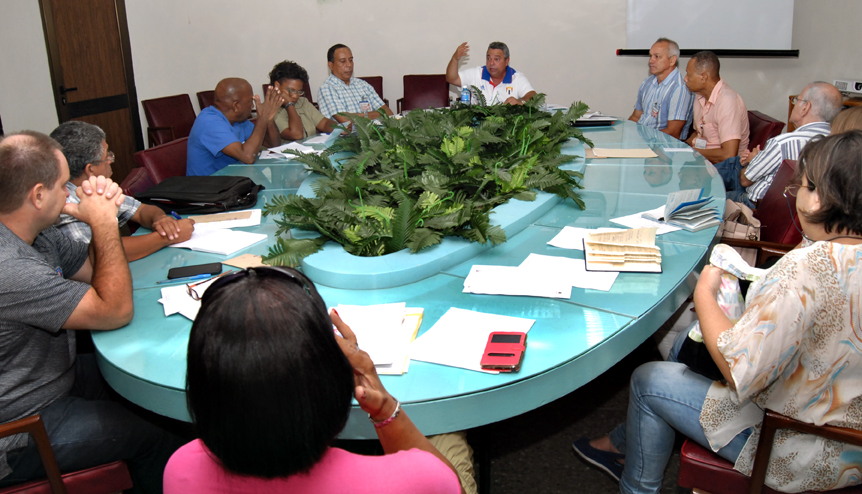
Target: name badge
point(365, 106)
point(700, 143)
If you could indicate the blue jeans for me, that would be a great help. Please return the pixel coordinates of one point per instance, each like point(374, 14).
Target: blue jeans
point(665, 397)
point(87, 429)
point(729, 170)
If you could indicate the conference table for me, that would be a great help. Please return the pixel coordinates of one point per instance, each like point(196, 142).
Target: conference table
point(572, 341)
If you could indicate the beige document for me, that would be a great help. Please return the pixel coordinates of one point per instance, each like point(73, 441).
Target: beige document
point(209, 218)
point(618, 153)
point(628, 250)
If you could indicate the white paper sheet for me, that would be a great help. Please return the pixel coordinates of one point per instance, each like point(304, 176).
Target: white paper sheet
point(224, 242)
point(278, 152)
point(573, 237)
point(638, 221)
point(318, 139)
point(176, 299)
point(405, 335)
point(573, 271)
point(377, 328)
point(458, 338)
point(677, 150)
point(511, 280)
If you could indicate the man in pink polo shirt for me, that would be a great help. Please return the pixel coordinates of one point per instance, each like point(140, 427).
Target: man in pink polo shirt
point(720, 127)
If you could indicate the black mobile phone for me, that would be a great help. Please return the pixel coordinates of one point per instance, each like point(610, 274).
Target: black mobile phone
point(213, 268)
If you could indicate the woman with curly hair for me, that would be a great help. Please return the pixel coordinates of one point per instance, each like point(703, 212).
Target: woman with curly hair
point(298, 118)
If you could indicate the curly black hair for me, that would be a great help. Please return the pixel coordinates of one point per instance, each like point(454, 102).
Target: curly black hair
point(287, 70)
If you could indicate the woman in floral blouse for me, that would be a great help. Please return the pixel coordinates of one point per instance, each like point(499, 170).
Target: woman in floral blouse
point(797, 350)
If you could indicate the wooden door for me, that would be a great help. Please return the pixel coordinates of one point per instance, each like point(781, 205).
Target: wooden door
point(91, 70)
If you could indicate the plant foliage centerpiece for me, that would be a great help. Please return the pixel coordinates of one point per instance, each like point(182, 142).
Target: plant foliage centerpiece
point(413, 180)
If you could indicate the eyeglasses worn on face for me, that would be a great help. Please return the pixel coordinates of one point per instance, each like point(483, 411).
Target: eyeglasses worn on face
point(793, 189)
point(797, 100)
point(232, 276)
point(293, 91)
point(110, 159)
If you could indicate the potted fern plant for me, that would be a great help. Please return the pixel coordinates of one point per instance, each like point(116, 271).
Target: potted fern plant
point(411, 181)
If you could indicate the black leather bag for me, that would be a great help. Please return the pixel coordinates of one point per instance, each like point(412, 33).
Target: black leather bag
point(696, 356)
point(198, 195)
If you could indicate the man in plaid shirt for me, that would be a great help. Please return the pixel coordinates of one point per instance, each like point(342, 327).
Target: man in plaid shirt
point(87, 152)
point(343, 93)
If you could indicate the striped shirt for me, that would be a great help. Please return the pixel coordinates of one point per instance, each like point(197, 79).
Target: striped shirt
point(764, 166)
point(334, 96)
point(669, 99)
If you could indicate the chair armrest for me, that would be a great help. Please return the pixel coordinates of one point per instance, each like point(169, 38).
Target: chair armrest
point(152, 132)
point(33, 425)
point(386, 102)
point(398, 102)
point(772, 422)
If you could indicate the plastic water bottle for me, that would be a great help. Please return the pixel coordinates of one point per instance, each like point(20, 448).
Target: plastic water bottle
point(465, 96)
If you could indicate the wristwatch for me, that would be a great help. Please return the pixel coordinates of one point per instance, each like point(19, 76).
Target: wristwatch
point(290, 104)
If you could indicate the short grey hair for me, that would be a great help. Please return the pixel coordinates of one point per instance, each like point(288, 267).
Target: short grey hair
point(672, 49)
point(82, 144)
point(826, 101)
point(499, 45)
point(707, 61)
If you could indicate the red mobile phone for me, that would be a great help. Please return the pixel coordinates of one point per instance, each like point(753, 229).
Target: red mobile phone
point(504, 351)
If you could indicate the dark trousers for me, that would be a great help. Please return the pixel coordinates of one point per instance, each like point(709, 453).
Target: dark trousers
point(88, 428)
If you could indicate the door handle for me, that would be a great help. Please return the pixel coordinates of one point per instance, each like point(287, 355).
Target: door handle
point(64, 89)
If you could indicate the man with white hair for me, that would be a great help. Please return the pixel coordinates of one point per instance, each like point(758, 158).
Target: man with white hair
point(746, 180)
point(664, 102)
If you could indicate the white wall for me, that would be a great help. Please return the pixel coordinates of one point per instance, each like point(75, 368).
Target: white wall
point(26, 100)
point(566, 47)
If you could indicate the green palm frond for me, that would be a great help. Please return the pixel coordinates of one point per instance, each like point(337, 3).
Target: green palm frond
point(479, 96)
point(291, 252)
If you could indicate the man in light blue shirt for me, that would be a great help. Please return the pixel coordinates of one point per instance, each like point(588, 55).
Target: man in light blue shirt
point(343, 93)
point(664, 102)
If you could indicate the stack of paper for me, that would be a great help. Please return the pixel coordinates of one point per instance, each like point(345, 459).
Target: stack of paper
point(687, 209)
point(638, 220)
point(384, 331)
point(573, 237)
point(458, 338)
point(631, 250)
point(220, 241)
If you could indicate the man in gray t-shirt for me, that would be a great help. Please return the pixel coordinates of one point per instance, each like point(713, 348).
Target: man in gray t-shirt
point(49, 287)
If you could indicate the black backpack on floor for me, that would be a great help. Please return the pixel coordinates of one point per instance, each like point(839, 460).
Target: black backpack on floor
point(198, 195)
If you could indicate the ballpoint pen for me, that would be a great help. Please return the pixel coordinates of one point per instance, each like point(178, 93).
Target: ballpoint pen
point(185, 279)
point(175, 215)
point(219, 276)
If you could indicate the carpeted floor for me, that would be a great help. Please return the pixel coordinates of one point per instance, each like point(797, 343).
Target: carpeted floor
point(536, 454)
point(533, 452)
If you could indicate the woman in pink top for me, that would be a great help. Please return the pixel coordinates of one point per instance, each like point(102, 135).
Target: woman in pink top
point(269, 387)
